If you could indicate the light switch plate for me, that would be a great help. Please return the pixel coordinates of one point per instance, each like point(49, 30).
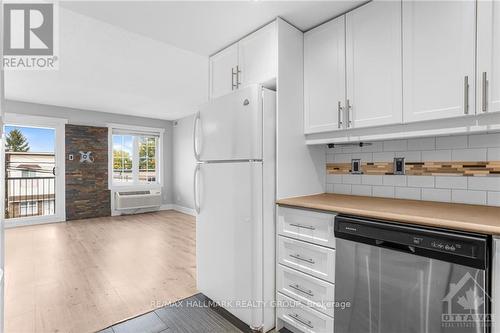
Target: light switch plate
point(356, 166)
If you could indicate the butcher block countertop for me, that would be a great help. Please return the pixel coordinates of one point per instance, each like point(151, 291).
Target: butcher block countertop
point(474, 218)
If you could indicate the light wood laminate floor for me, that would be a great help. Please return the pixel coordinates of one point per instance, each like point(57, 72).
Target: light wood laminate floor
point(82, 276)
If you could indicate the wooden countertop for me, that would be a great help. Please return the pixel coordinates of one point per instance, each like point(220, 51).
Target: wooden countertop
point(474, 218)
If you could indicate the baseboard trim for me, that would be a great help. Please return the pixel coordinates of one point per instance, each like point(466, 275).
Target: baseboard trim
point(178, 208)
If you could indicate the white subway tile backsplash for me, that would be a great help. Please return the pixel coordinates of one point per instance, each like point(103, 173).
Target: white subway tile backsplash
point(393, 180)
point(436, 155)
point(459, 189)
point(420, 181)
point(408, 193)
point(383, 191)
point(422, 144)
point(364, 157)
point(372, 180)
point(351, 179)
point(342, 188)
point(396, 145)
point(469, 197)
point(452, 142)
point(493, 154)
point(410, 156)
point(361, 190)
point(484, 140)
point(457, 182)
point(383, 157)
point(435, 194)
point(334, 179)
point(468, 154)
point(484, 183)
point(374, 147)
point(342, 158)
point(493, 198)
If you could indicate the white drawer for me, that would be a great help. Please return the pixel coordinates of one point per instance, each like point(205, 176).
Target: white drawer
point(309, 290)
point(316, 260)
point(310, 226)
point(302, 317)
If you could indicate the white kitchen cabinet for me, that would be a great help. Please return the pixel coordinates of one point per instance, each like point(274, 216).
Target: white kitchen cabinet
point(258, 56)
point(438, 59)
point(324, 77)
point(373, 64)
point(488, 56)
point(251, 60)
point(222, 71)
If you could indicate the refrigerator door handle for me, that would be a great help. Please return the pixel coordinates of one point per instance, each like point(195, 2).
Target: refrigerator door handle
point(196, 189)
point(195, 136)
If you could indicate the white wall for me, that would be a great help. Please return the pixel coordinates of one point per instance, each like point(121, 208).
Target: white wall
point(101, 119)
point(183, 162)
point(482, 190)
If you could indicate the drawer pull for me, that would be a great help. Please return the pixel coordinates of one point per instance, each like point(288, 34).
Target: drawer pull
point(302, 226)
point(299, 288)
point(297, 256)
point(306, 322)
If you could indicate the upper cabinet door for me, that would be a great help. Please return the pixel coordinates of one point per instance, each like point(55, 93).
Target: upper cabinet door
point(222, 66)
point(438, 59)
point(258, 56)
point(324, 77)
point(373, 59)
point(488, 56)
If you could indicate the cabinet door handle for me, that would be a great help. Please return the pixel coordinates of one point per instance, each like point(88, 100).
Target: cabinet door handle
point(302, 290)
point(233, 74)
point(466, 94)
point(349, 109)
point(339, 110)
point(238, 71)
point(303, 226)
point(298, 256)
point(298, 318)
point(485, 92)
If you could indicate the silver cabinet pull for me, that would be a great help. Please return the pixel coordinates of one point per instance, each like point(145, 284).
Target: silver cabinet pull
point(485, 92)
point(301, 320)
point(195, 189)
point(299, 288)
point(299, 257)
point(303, 226)
point(339, 110)
point(238, 71)
point(466, 94)
point(349, 109)
point(233, 74)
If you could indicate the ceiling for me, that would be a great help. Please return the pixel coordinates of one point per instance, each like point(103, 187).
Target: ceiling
point(150, 58)
point(204, 27)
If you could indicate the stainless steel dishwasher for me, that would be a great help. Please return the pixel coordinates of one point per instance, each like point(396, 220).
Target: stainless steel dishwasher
point(399, 278)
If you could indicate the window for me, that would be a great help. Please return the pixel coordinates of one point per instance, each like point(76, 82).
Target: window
point(135, 157)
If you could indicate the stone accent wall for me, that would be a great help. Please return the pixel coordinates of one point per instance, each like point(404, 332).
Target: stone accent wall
point(87, 193)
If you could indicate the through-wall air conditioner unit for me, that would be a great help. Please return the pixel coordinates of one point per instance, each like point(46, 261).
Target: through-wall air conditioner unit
point(137, 199)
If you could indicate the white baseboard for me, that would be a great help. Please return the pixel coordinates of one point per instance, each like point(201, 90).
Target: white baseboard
point(178, 208)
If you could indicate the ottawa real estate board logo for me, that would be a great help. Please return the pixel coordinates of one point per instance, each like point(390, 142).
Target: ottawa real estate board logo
point(31, 40)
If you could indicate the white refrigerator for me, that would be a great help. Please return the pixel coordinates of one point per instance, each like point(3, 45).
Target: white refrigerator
point(234, 189)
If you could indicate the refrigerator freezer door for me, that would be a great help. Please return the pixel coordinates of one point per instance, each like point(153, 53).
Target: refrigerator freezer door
point(229, 237)
point(230, 127)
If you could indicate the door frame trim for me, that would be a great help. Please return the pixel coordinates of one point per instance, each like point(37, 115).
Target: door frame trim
point(58, 124)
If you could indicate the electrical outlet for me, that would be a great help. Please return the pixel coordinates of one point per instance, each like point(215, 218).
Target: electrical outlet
point(399, 165)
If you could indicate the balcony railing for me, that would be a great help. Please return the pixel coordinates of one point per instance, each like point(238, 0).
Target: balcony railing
point(29, 196)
